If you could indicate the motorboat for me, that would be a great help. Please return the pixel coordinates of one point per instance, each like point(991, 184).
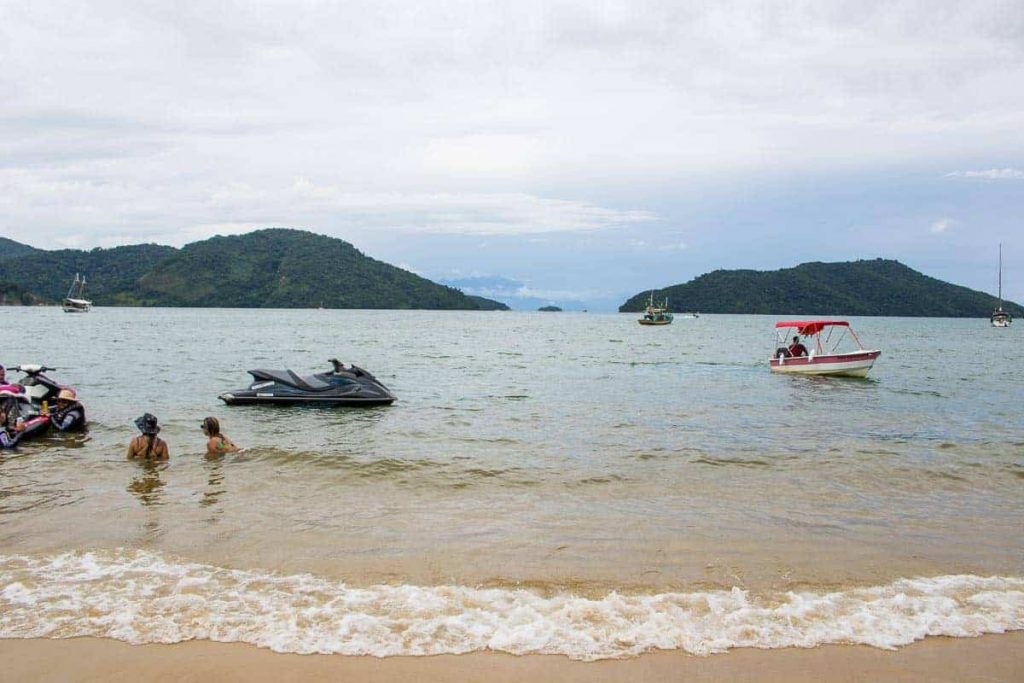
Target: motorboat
point(656, 315)
point(343, 386)
point(825, 355)
point(75, 301)
point(999, 317)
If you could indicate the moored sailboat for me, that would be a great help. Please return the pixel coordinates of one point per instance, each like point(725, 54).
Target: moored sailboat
point(75, 301)
point(999, 317)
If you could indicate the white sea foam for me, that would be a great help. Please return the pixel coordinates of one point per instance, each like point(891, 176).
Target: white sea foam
point(140, 597)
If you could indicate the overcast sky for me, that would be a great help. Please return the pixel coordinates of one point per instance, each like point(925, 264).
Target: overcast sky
point(587, 150)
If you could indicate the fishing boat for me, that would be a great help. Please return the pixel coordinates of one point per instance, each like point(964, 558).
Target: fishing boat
point(656, 315)
point(999, 317)
point(75, 301)
point(825, 356)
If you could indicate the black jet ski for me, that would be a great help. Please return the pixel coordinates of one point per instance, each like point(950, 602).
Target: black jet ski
point(343, 386)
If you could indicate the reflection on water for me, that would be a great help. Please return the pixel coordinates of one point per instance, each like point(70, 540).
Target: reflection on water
point(148, 486)
point(214, 482)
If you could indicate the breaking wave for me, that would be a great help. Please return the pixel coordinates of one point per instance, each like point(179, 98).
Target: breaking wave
point(140, 597)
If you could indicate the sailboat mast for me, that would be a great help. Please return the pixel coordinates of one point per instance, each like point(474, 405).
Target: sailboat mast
point(1000, 275)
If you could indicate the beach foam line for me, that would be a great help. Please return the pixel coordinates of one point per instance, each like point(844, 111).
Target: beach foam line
point(141, 597)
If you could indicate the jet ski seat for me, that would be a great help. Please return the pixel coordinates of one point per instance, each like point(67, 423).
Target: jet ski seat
point(289, 378)
point(310, 382)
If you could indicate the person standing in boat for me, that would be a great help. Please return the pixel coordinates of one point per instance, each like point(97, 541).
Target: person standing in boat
point(148, 446)
point(796, 349)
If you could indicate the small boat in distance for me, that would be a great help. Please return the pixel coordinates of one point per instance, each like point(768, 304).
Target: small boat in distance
point(656, 315)
point(999, 317)
point(75, 301)
point(825, 356)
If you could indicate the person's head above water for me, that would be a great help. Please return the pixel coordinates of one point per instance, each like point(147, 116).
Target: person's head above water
point(211, 426)
point(67, 395)
point(147, 424)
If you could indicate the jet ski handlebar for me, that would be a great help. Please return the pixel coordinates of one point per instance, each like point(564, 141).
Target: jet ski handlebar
point(32, 368)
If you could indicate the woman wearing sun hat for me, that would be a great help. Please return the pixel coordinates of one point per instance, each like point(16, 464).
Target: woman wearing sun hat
point(69, 413)
point(148, 446)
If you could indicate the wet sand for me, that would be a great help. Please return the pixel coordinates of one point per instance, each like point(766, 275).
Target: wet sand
point(989, 658)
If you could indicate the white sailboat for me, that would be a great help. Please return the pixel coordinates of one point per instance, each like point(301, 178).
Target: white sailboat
point(999, 317)
point(75, 301)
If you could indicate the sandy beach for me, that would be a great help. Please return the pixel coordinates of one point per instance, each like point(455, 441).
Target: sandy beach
point(989, 658)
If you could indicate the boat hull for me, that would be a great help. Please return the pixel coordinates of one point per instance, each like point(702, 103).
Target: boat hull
point(655, 322)
point(856, 364)
point(344, 387)
point(1001, 320)
point(233, 399)
point(76, 305)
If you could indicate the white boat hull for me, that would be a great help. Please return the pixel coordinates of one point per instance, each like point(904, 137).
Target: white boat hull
point(77, 306)
point(855, 364)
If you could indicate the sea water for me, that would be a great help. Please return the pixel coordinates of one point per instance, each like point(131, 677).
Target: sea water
point(546, 483)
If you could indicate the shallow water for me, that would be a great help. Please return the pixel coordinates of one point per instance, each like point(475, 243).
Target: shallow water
point(564, 454)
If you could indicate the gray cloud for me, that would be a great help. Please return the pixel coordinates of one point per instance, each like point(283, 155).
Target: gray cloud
point(171, 121)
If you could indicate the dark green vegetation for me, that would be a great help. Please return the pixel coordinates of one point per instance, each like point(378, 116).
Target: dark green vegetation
point(550, 309)
point(274, 268)
point(13, 295)
point(878, 287)
point(487, 304)
point(10, 248)
point(111, 274)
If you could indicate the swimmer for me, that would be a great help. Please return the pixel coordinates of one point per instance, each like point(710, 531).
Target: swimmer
point(217, 443)
point(148, 446)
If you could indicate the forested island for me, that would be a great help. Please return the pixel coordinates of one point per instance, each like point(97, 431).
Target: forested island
point(273, 268)
point(870, 287)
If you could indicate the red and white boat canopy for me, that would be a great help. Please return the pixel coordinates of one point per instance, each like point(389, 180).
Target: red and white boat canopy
point(809, 327)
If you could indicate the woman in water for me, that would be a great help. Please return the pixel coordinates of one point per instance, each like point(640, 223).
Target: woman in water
point(148, 446)
point(216, 443)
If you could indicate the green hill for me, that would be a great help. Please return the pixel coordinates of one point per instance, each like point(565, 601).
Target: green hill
point(275, 268)
point(878, 287)
point(487, 304)
point(11, 249)
point(281, 268)
point(111, 274)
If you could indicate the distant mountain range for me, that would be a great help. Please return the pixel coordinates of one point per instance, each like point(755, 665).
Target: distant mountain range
point(878, 287)
point(274, 268)
point(515, 293)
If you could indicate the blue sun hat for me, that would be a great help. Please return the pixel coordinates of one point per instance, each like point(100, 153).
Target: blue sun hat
point(147, 424)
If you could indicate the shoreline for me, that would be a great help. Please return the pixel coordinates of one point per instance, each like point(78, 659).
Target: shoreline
point(987, 658)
